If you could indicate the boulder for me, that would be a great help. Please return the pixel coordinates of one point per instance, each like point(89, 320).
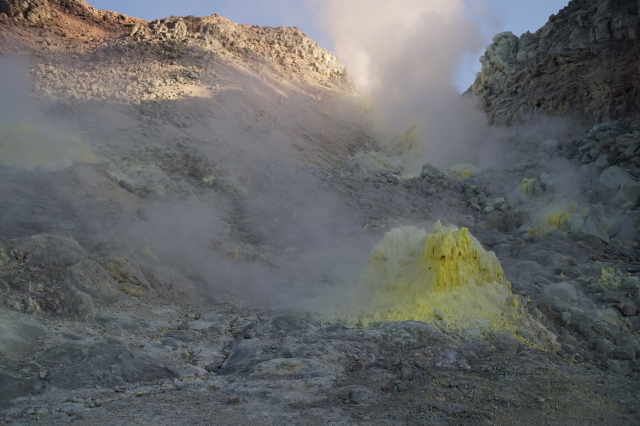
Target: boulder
point(594, 224)
point(614, 177)
point(494, 203)
point(613, 297)
point(514, 199)
point(602, 163)
point(432, 172)
point(564, 291)
point(629, 192)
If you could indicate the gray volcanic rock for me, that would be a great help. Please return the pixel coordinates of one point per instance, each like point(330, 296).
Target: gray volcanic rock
point(33, 11)
point(582, 63)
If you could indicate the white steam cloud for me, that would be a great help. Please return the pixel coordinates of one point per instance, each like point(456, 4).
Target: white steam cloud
point(405, 55)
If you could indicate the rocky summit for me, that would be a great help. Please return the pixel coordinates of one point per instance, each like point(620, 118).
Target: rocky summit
point(202, 222)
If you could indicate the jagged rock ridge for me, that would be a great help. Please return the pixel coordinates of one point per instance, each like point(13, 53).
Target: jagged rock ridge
point(584, 63)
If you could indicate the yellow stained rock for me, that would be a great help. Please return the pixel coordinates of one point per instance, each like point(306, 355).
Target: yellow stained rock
point(462, 171)
point(28, 147)
point(527, 186)
point(410, 274)
point(556, 219)
point(446, 275)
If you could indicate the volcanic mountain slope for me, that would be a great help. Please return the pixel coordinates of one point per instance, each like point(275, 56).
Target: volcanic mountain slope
point(186, 207)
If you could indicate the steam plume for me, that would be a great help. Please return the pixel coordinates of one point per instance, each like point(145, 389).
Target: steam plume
point(405, 55)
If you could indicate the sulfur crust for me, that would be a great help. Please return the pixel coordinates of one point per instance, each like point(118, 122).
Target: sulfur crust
point(558, 220)
point(446, 275)
point(527, 186)
point(411, 275)
point(28, 147)
point(463, 171)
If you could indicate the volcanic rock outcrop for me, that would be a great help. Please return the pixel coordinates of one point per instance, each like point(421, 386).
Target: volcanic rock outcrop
point(583, 63)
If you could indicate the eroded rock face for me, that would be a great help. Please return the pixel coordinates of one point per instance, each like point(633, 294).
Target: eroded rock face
point(582, 63)
point(287, 48)
point(34, 11)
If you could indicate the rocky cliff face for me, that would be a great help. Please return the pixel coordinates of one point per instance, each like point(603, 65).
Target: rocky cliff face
point(74, 26)
point(584, 63)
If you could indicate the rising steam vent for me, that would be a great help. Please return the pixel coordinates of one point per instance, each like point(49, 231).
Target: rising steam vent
point(446, 275)
point(27, 147)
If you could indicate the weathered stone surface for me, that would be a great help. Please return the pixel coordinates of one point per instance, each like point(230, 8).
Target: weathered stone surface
point(564, 291)
point(629, 193)
point(613, 296)
point(33, 11)
point(582, 63)
point(595, 223)
point(614, 177)
point(432, 172)
point(370, 163)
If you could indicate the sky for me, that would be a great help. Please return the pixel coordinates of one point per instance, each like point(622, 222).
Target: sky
point(493, 16)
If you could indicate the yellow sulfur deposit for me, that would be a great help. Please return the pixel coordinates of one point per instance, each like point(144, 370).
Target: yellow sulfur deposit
point(558, 219)
point(463, 171)
point(447, 274)
point(528, 186)
point(28, 147)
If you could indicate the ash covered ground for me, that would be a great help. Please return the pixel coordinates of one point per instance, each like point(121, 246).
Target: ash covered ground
point(203, 222)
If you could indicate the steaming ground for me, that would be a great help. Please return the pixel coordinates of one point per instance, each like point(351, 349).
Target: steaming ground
point(197, 265)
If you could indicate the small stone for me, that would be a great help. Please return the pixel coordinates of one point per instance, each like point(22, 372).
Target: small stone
point(43, 374)
point(360, 395)
point(625, 353)
point(234, 400)
point(402, 386)
point(628, 206)
point(629, 283)
point(602, 163)
point(613, 297)
point(488, 210)
point(494, 202)
point(603, 346)
point(514, 199)
point(635, 322)
point(541, 280)
point(629, 310)
point(565, 318)
point(568, 349)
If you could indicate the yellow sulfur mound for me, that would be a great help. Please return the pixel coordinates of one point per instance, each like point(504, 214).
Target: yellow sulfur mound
point(446, 275)
point(27, 147)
